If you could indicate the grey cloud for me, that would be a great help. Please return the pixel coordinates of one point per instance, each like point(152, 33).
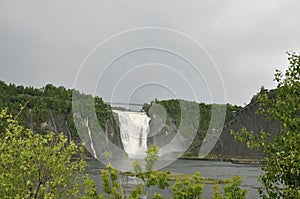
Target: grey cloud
point(45, 41)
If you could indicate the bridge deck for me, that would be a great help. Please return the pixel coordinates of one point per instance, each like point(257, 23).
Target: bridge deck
point(123, 103)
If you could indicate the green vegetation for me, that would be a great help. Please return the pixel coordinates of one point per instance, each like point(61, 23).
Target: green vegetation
point(47, 166)
point(183, 186)
point(174, 114)
point(50, 109)
point(35, 165)
point(232, 189)
point(173, 111)
point(282, 170)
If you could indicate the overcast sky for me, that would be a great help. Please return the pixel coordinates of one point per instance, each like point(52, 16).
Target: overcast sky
point(198, 48)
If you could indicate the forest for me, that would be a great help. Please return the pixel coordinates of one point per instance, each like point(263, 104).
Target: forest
point(49, 108)
point(37, 164)
point(40, 108)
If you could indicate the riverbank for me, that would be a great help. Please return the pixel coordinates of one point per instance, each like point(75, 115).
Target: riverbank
point(249, 161)
point(214, 171)
point(173, 176)
point(228, 159)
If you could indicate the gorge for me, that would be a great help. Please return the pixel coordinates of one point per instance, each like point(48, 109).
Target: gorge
point(49, 109)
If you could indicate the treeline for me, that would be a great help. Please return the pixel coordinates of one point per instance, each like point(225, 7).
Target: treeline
point(48, 108)
point(206, 121)
point(173, 110)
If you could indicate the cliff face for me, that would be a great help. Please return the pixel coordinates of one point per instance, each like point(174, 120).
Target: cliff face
point(227, 146)
point(51, 123)
point(63, 123)
point(51, 109)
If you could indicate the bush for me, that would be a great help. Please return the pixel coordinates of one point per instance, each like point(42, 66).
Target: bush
point(35, 165)
point(282, 171)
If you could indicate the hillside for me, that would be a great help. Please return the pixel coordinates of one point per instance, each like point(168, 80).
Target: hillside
point(228, 147)
point(164, 125)
point(50, 109)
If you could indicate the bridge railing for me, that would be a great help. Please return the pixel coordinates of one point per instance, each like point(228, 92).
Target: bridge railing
point(123, 103)
point(126, 106)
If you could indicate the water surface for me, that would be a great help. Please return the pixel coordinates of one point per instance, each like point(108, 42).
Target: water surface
point(209, 169)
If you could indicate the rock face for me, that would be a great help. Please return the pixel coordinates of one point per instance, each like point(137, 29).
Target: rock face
point(51, 122)
point(62, 123)
point(227, 146)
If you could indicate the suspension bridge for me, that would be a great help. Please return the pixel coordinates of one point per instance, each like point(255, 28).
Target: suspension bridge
point(128, 106)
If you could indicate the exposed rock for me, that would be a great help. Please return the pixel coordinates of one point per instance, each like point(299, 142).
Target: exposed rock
point(227, 146)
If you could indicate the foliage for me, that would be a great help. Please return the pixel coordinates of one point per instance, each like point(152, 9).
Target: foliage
point(173, 110)
point(151, 158)
point(39, 164)
point(151, 177)
point(232, 189)
point(185, 186)
point(35, 165)
point(282, 171)
point(110, 178)
point(90, 188)
point(174, 114)
point(217, 194)
point(49, 107)
point(111, 185)
point(188, 188)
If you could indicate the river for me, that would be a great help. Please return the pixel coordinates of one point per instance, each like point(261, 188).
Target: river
point(210, 169)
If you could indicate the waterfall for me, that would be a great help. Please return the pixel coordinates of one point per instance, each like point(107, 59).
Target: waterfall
point(53, 121)
point(68, 129)
point(134, 127)
point(90, 136)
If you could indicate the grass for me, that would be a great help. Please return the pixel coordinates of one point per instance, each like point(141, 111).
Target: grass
point(172, 176)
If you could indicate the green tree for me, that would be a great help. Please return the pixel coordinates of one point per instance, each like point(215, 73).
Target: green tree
point(184, 186)
point(282, 170)
point(36, 166)
point(188, 187)
point(232, 189)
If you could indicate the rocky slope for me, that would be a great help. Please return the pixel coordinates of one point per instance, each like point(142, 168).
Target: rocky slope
point(227, 146)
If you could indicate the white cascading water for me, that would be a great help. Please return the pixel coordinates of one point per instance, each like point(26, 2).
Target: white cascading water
point(134, 128)
point(90, 136)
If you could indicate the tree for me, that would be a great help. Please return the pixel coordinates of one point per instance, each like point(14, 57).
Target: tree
point(36, 166)
point(282, 153)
